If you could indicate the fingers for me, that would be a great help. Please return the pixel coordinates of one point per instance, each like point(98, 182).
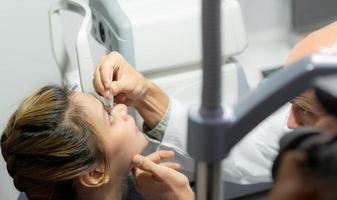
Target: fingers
point(147, 165)
point(118, 63)
point(158, 156)
point(171, 165)
point(107, 70)
point(97, 82)
point(139, 172)
point(118, 86)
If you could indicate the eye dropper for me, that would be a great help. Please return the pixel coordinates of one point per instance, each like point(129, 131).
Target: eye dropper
point(110, 101)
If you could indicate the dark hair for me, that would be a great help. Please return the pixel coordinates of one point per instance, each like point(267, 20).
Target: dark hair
point(48, 143)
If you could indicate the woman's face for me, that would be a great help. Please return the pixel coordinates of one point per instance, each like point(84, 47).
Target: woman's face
point(119, 132)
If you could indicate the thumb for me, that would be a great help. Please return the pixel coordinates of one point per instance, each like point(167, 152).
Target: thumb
point(147, 165)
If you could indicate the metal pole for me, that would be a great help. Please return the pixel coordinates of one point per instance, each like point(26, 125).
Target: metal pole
point(208, 172)
point(211, 43)
point(209, 184)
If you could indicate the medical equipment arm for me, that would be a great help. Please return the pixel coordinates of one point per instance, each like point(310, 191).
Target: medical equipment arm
point(275, 92)
point(208, 119)
point(249, 112)
point(85, 63)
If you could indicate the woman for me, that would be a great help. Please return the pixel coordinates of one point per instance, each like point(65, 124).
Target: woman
point(61, 144)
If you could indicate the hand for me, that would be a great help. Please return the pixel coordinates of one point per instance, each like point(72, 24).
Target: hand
point(127, 85)
point(296, 181)
point(130, 87)
point(160, 181)
point(290, 180)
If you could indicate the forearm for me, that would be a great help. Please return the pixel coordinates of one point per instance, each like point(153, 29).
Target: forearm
point(153, 106)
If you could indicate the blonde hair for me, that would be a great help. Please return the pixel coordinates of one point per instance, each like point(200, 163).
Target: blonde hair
point(48, 143)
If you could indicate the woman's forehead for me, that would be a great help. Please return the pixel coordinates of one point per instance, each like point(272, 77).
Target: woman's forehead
point(79, 96)
point(85, 99)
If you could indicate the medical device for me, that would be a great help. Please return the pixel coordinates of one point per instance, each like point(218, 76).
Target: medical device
point(155, 35)
point(76, 76)
point(79, 77)
point(109, 102)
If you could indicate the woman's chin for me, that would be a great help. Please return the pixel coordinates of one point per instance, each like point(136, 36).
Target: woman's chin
point(142, 142)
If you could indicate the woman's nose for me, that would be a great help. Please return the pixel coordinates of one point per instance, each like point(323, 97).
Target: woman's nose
point(122, 110)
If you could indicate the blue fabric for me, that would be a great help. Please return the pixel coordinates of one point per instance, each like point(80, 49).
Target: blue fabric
point(130, 192)
point(22, 196)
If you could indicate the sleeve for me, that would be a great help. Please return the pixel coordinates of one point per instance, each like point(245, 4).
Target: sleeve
point(175, 137)
point(172, 128)
point(157, 133)
point(249, 161)
point(171, 132)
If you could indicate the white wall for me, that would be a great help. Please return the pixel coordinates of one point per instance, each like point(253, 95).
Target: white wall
point(263, 15)
point(270, 38)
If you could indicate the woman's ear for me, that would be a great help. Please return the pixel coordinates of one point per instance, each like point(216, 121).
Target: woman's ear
point(94, 178)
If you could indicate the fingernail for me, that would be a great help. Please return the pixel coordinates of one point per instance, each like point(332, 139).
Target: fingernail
point(138, 160)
